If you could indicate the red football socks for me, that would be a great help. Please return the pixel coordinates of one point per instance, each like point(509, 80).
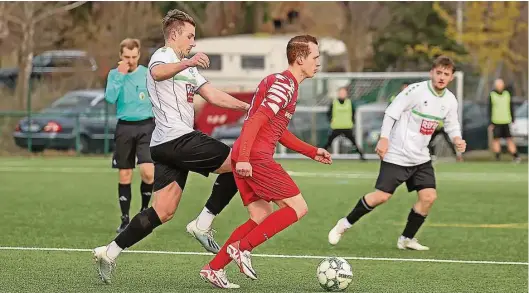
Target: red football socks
point(273, 224)
point(222, 258)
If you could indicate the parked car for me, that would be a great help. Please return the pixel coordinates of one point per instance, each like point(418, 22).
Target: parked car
point(80, 113)
point(519, 128)
point(52, 63)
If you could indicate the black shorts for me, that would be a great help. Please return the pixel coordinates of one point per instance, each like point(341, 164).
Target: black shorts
point(194, 152)
point(417, 177)
point(501, 131)
point(132, 140)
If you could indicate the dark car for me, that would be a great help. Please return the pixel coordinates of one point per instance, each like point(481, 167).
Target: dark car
point(52, 63)
point(77, 118)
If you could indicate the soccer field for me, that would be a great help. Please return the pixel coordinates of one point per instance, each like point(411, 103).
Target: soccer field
point(62, 208)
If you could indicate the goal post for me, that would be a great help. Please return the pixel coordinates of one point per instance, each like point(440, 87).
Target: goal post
point(369, 92)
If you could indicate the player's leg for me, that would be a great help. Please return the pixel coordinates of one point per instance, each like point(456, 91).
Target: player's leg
point(206, 155)
point(334, 134)
point(349, 135)
point(124, 160)
point(389, 178)
point(511, 146)
point(168, 187)
point(422, 181)
point(258, 210)
point(496, 148)
point(145, 163)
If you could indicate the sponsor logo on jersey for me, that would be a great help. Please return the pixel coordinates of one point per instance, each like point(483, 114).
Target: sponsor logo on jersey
point(428, 127)
point(190, 89)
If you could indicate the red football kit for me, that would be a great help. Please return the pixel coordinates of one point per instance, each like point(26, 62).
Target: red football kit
point(272, 107)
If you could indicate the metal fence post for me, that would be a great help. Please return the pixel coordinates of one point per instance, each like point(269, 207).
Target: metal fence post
point(77, 134)
point(106, 142)
point(28, 106)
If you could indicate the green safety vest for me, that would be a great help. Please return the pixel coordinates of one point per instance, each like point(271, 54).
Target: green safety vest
point(501, 107)
point(341, 115)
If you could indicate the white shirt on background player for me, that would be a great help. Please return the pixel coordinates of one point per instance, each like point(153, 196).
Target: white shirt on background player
point(417, 111)
point(172, 99)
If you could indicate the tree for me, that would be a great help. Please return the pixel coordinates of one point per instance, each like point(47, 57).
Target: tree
point(362, 21)
point(415, 36)
point(487, 34)
point(100, 28)
point(31, 22)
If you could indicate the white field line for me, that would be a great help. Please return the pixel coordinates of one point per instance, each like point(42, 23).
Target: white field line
point(279, 256)
point(456, 176)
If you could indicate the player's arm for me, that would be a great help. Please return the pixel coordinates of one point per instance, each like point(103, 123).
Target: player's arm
point(220, 98)
point(114, 86)
point(162, 68)
point(289, 140)
point(249, 132)
point(453, 128)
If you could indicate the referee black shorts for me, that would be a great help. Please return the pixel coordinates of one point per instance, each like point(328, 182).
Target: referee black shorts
point(501, 131)
point(417, 177)
point(132, 139)
point(194, 152)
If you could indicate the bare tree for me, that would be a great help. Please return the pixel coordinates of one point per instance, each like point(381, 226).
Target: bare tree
point(355, 23)
point(101, 29)
point(28, 18)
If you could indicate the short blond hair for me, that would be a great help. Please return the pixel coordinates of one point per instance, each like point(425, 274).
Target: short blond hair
point(175, 19)
point(129, 44)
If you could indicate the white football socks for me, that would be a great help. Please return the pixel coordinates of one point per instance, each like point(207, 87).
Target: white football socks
point(205, 219)
point(113, 250)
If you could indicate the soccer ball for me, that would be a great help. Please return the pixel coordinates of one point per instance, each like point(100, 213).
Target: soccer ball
point(334, 274)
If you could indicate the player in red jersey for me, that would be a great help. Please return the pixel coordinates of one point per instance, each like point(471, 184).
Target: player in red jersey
point(259, 178)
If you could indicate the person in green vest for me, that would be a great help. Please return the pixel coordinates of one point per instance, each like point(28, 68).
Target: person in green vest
point(341, 116)
point(127, 88)
point(402, 87)
point(501, 114)
point(440, 130)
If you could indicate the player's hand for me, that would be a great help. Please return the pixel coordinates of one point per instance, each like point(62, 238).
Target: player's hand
point(460, 144)
point(123, 67)
point(244, 169)
point(323, 156)
point(200, 59)
point(382, 147)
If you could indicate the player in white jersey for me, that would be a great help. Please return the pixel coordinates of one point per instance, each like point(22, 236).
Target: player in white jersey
point(176, 148)
point(408, 125)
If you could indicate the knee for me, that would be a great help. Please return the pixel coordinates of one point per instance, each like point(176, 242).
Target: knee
point(301, 209)
point(165, 214)
point(376, 198)
point(125, 176)
point(147, 177)
point(428, 197)
point(258, 216)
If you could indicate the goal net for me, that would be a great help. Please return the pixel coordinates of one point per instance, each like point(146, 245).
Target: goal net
point(370, 93)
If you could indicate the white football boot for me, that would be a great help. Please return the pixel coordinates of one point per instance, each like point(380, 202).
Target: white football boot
point(413, 244)
point(217, 278)
point(243, 259)
point(337, 231)
point(105, 266)
point(205, 237)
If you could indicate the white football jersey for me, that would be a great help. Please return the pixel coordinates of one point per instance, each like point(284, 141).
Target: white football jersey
point(172, 99)
point(417, 111)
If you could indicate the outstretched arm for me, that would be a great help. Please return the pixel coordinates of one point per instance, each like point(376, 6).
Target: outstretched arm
point(220, 98)
point(289, 140)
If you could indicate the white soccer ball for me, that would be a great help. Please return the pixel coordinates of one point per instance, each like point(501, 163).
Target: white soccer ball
point(334, 274)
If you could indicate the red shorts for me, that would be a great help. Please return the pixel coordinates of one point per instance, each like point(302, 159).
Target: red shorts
point(269, 182)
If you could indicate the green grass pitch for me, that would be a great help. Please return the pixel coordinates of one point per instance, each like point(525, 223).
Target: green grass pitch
point(480, 215)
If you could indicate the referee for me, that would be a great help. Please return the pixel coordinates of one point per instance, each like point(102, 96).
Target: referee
point(501, 115)
point(126, 86)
